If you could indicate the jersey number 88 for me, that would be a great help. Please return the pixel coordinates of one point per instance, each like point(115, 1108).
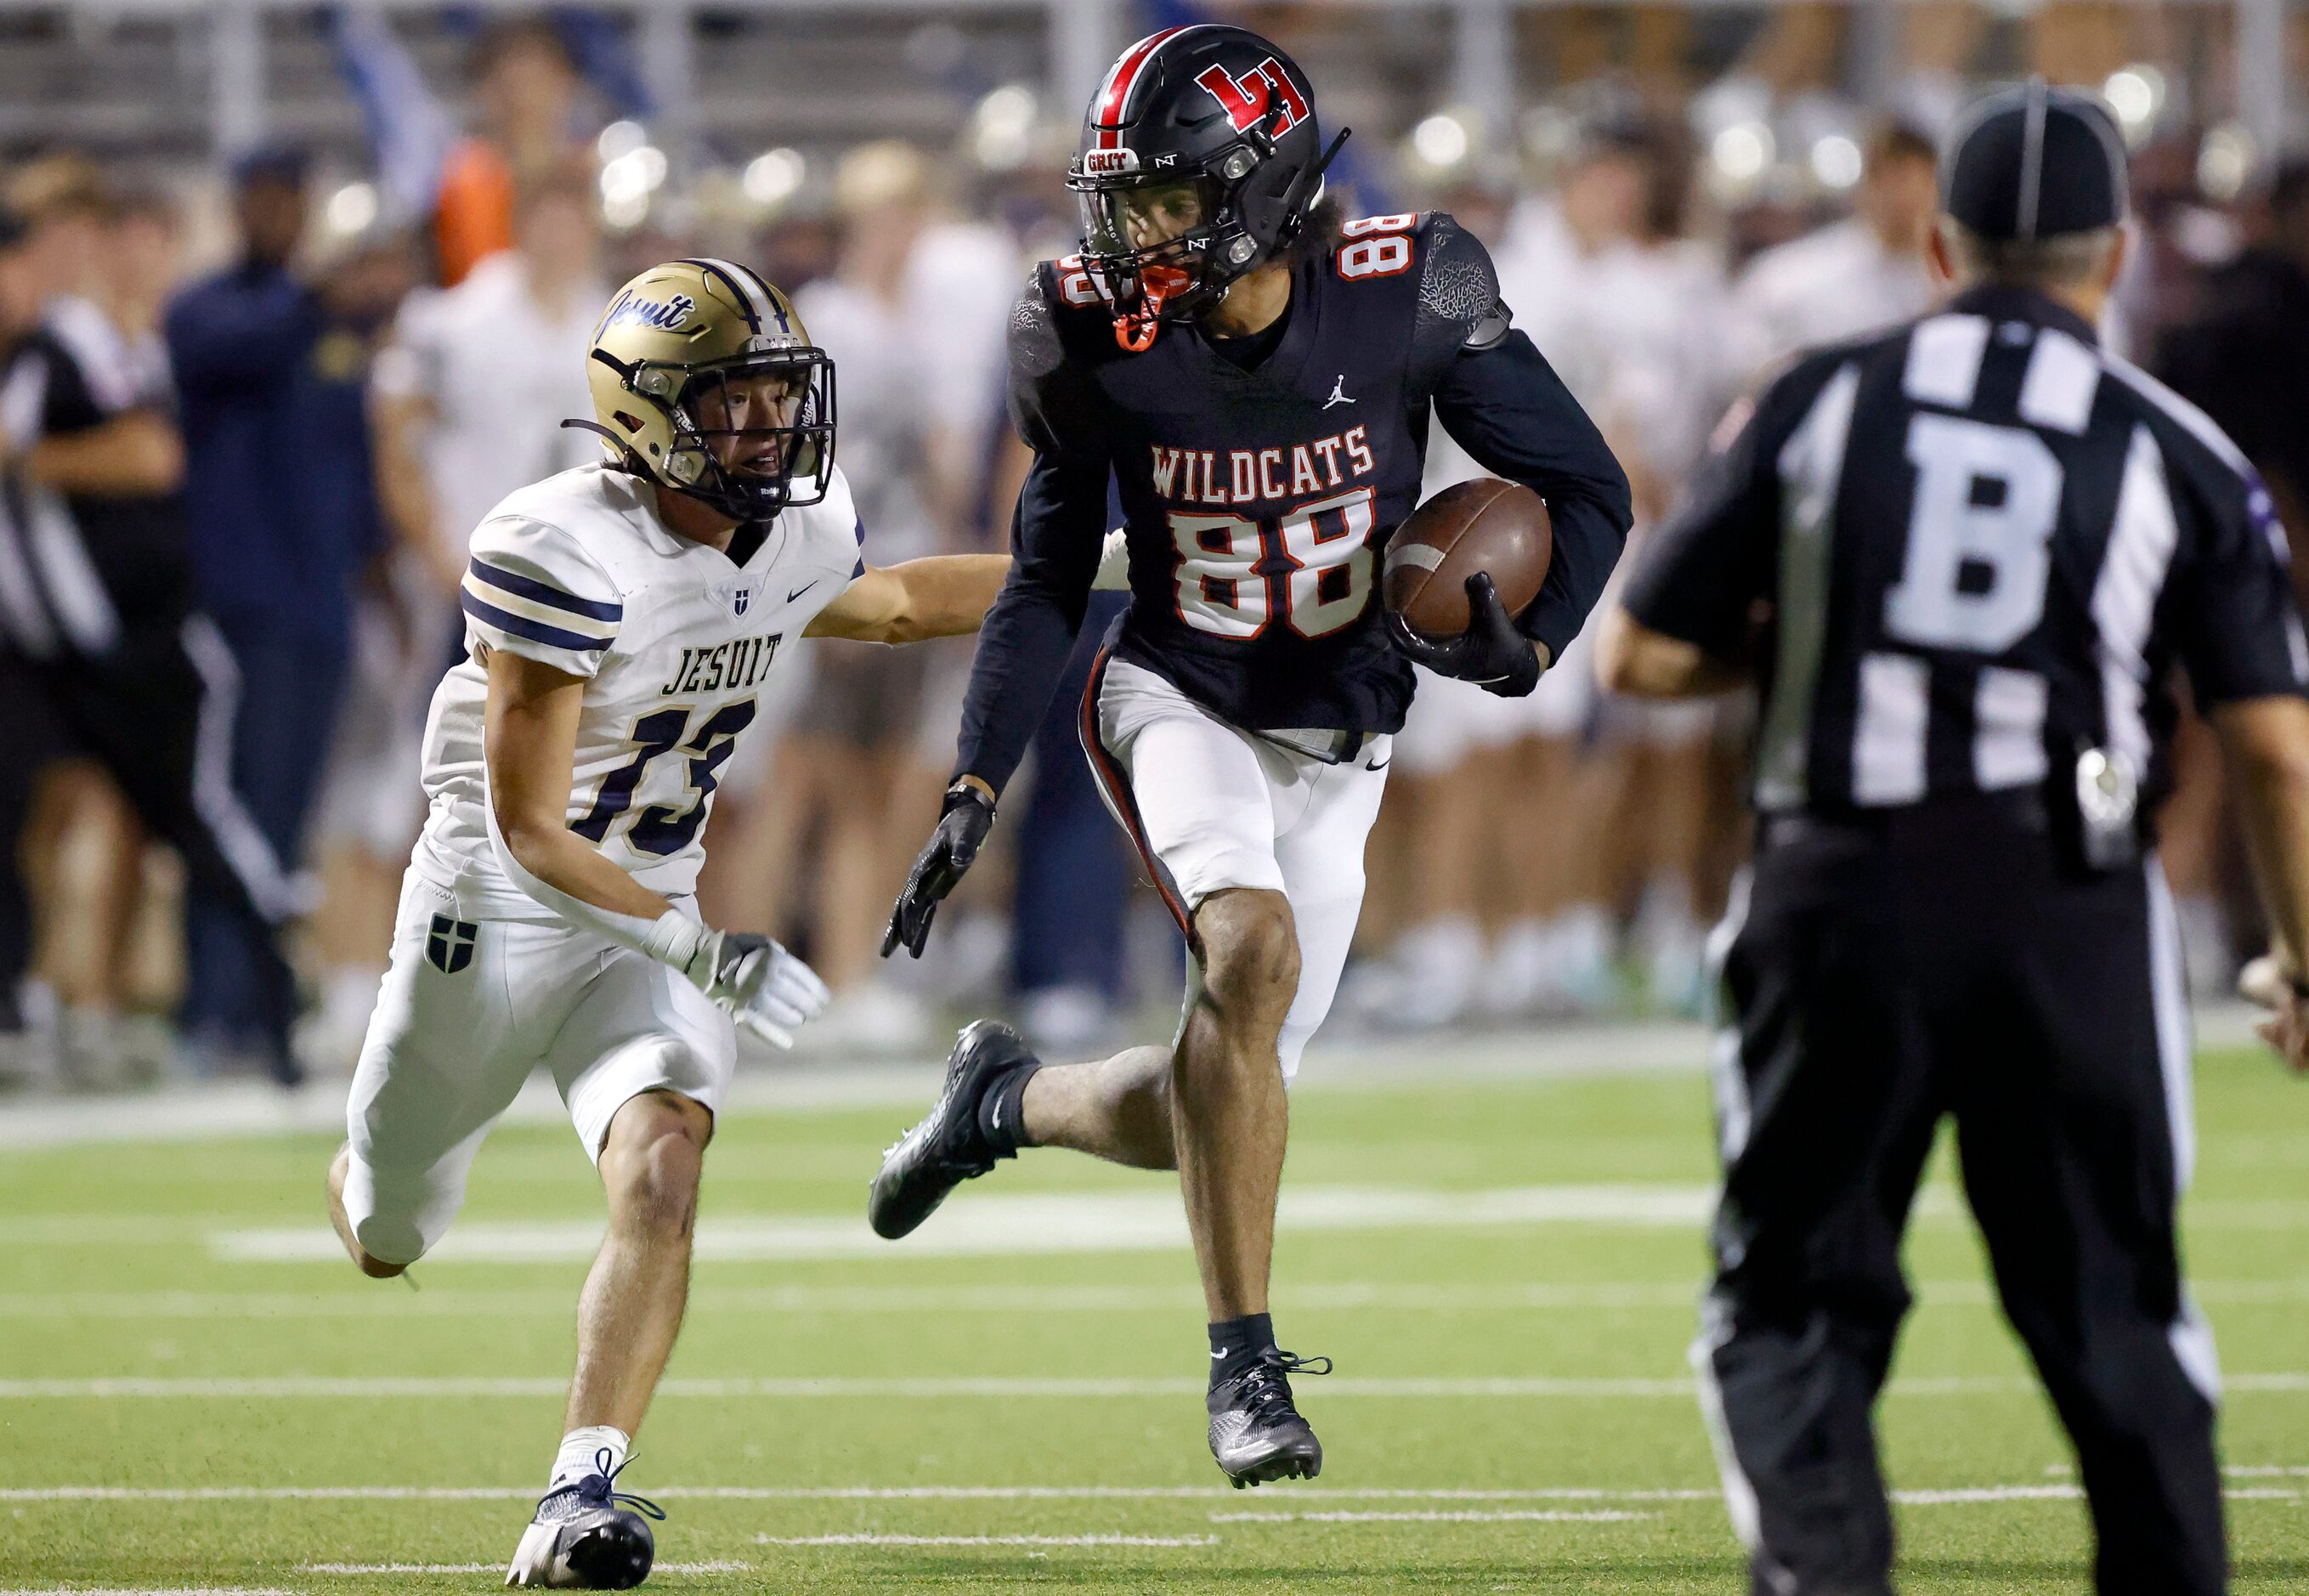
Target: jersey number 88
point(1321, 552)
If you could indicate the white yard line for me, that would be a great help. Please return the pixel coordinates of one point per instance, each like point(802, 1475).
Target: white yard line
point(835, 1493)
point(446, 1302)
point(293, 1386)
point(207, 1110)
point(1947, 1496)
point(1537, 1515)
point(1145, 1220)
point(875, 1539)
point(712, 1567)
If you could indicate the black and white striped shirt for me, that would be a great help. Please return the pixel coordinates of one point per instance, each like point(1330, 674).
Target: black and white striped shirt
point(77, 571)
point(1960, 553)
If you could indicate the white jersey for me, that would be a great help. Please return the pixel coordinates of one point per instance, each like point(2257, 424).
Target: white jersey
point(676, 640)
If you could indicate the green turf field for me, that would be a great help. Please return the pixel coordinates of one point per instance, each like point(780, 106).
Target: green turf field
point(193, 1394)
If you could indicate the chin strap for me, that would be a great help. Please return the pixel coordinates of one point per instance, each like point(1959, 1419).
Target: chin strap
point(1308, 186)
point(627, 456)
point(1135, 331)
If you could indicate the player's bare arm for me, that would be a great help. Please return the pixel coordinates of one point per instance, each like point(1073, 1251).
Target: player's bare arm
point(942, 596)
point(530, 741)
point(1631, 658)
point(137, 451)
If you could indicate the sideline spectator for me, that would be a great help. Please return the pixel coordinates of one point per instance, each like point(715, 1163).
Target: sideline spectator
point(850, 765)
point(133, 673)
point(2245, 361)
point(81, 842)
point(467, 401)
point(472, 391)
point(524, 96)
point(281, 521)
point(1851, 276)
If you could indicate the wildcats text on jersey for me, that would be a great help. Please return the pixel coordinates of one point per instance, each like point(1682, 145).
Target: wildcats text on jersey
point(1260, 476)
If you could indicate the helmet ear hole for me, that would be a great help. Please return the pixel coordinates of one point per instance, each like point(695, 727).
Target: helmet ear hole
point(630, 421)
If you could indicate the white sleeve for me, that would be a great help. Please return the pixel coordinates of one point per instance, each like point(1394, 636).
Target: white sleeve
point(532, 590)
point(841, 534)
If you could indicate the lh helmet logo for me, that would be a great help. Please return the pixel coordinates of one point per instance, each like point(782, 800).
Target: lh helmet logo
point(1247, 98)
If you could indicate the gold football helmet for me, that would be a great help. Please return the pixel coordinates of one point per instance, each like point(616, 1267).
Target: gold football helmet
point(705, 382)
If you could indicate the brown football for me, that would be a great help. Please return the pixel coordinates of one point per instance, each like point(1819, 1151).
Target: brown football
point(1502, 528)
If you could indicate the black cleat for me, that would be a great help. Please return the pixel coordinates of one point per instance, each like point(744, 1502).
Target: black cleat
point(947, 1147)
point(587, 1536)
point(1255, 1433)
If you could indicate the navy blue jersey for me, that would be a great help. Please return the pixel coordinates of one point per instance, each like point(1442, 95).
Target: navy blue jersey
point(1257, 503)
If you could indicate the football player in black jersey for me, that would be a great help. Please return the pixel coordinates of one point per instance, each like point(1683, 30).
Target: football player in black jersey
point(1258, 381)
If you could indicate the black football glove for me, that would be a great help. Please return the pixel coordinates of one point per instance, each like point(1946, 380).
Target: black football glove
point(1491, 653)
point(952, 850)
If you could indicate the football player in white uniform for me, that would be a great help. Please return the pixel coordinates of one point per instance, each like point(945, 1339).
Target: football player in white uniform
point(620, 618)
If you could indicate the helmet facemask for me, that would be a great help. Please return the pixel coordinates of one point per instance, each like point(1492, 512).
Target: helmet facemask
point(1165, 246)
point(752, 434)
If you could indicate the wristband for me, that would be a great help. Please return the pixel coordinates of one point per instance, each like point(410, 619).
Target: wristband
point(674, 938)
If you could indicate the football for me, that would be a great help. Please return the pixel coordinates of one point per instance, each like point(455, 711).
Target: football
point(1486, 525)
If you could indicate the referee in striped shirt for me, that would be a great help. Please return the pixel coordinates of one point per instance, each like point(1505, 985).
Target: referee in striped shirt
point(1962, 560)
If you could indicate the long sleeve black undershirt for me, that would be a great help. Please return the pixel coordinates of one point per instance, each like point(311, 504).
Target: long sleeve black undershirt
point(1055, 536)
point(1512, 414)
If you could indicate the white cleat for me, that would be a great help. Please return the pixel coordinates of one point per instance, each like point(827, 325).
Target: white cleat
point(587, 1536)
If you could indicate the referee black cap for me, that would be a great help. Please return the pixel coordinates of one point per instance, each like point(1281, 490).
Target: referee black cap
point(2032, 162)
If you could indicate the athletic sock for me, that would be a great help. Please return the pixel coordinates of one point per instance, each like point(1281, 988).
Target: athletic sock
point(581, 1453)
point(1236, 1345)
point(1002, 1111)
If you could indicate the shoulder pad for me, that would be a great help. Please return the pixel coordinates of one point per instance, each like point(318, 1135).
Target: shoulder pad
point(530, 588)
point(1458, 284)
point(1036, 346)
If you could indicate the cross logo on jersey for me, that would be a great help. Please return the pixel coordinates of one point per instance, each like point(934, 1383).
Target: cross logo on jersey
point(737, 594)
point(1245, 99)
point(449, 944)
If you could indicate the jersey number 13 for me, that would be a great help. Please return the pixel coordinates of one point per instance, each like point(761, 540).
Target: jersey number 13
point(660, 829)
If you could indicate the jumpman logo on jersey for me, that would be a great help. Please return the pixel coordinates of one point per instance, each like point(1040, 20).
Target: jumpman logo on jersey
point(1338, 392)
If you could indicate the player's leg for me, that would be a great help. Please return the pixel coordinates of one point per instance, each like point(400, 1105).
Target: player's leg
point(1825, 1113)
point(1210, 805)
point(643, 1059)
point(632, 1306)
point(1116, 1108)
point(2074, 1128)
point(443, 1057)
point(1230, 1116)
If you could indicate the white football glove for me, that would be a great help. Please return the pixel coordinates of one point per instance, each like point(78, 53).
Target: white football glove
point(764, 988)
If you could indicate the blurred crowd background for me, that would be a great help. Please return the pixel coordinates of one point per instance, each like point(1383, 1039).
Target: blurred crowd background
point(340, 264)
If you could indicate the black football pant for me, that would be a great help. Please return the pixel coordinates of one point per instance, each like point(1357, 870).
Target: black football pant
point(1883, 972)
point(157, 713)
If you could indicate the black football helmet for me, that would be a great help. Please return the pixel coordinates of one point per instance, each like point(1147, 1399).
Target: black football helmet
point(1201, 160)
